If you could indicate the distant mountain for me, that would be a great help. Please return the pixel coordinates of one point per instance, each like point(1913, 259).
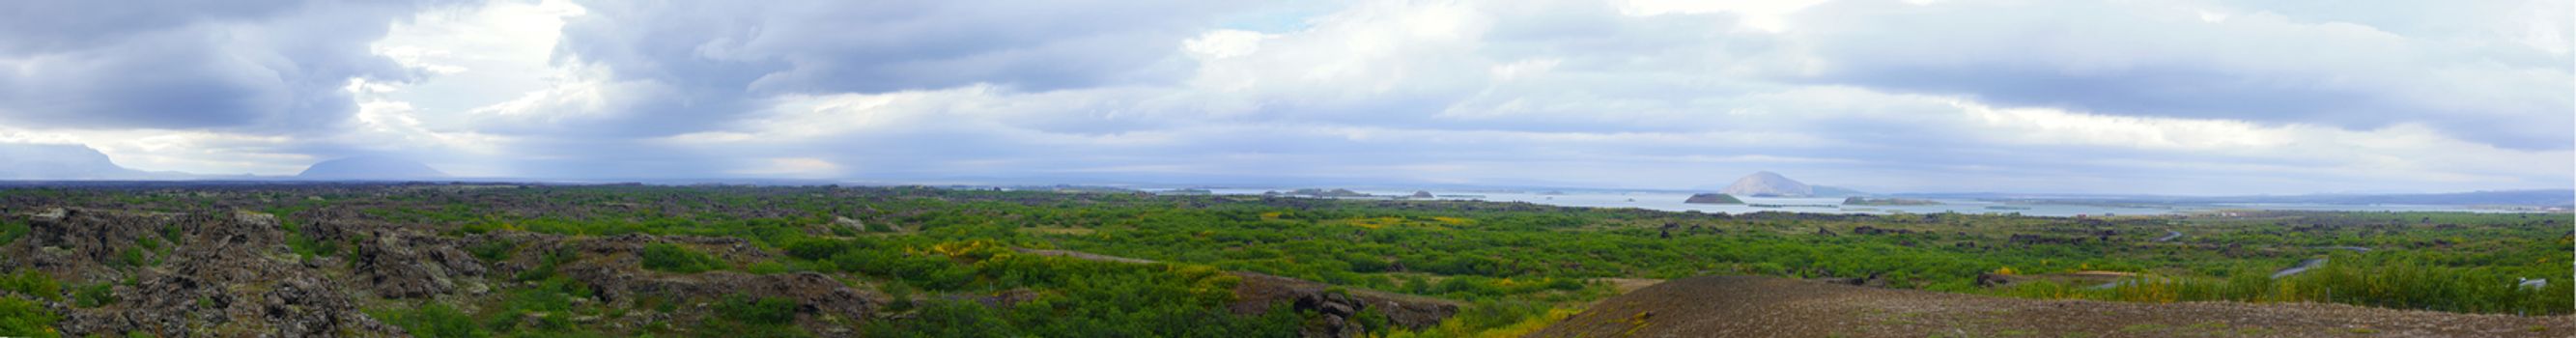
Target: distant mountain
point(27, 161)
point(2511, 197)
point(2543, 197)
point(1825, 191)
point(1768, 184)
point(370, 168)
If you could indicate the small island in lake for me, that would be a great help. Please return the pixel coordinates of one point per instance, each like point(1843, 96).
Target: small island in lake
point(1713, 199)
point(1887, 201)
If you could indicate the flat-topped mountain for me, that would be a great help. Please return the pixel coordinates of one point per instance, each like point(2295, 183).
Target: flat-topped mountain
point(1768, 184)
point(369, 168)
point(27, 161)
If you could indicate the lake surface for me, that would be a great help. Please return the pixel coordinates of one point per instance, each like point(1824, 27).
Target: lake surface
point(1673, 202)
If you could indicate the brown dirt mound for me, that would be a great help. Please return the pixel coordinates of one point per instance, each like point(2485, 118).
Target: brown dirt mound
point(1734, 306)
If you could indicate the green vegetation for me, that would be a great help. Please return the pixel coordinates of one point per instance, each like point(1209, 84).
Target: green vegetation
point(1089, 298)
point(33, 284)
point(11, 230)
point(953, 269)
point(1494, 319)
point(744, 316)
point(21, 317)
point(433, 320)
point(303, 245)
point(2395, 284)
point(666, 257)
point(20, 314)
point(94, 295)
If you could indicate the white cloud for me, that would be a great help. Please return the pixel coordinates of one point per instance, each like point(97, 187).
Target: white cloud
point(798, 167)
point(2179, 97)
point(1772, 16)
point(1223, 43)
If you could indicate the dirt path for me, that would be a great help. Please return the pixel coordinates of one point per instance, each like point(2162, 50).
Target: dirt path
point(2170, 235)
point(1774, 307)
point(1082, 255)
point(1626, 285)
point(2303, 266)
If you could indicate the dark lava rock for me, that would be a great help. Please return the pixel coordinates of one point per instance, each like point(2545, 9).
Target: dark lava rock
point(400, 265)
point(1259, 292)
point(613, 270)
point(225, 275)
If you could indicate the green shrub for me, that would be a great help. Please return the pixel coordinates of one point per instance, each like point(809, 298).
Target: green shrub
point(309, 248)
point(745, 316)
point(11, 230)
point(95, 295)
point(546, 264)
point(492, 251)
point(433, 320)
point(761, 310)
point(948, 319)
point(128, 257)
point(32, 283)
point(478, 228)
point(816, 248)
point(667, 257)
point(2399, 284)
point(21, 317)
point(768, 268)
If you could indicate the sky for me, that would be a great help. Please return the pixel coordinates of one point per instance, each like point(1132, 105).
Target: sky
point(2162, 97)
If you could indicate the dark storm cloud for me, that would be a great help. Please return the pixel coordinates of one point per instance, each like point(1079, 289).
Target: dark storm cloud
point(2183, 96)
point(40, 25)
point(273, 67)
point(710, 59)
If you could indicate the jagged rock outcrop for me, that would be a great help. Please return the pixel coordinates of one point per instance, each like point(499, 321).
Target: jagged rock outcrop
point(611, 267)
point(1768, 184)
point(401, 265)
point(224, 275)
point(233, 274)
point(1259, 293)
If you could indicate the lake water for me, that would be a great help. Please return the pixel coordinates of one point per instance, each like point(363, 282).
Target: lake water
point(1673, 202)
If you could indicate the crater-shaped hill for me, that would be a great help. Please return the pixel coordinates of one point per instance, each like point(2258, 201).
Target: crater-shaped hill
point(1768, 184)
point(1736, 306)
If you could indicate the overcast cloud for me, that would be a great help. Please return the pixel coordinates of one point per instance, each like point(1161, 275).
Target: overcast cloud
point(2177, 97)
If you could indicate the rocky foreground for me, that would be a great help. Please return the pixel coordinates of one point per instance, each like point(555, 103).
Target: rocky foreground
point(235, 275)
